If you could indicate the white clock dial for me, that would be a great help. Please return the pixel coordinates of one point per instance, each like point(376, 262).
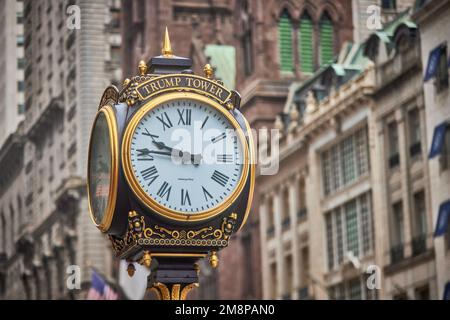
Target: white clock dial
point(186, 156)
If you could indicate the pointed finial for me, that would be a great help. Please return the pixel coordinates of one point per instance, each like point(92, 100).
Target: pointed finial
point(208, 70)
point(166, 48)
point(142, 67)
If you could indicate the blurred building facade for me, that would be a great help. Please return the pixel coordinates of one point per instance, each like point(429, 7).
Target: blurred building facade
point(355, 187)
point(205, 31)
point(12, 64)
point(45, 226)
point(354, 151)
point(433, 21)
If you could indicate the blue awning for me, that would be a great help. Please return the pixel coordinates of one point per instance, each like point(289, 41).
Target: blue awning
point(446, 292)
point(443, 217)
point(438, 139)
point(433, 63)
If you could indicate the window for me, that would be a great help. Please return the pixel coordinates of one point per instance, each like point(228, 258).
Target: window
point(397, 233)
point(353, 289)
point(388, 4)
point(115, 19)
point(20, 86)
point(61, 155)
point(285, 43)
point(115, 55)
point(247, 44)
point(330, 244)
point(326, 40)
point(20, 40)
point(351, 220)
point(305, 44)
point(442, 70)
point(270, 217)
point(420, 221)
point(19, 17)
point(304, 271)
point(349, 228)
point(51, 168)
point(285, 213)
point(21, 63)
point(414, 133)
point(445, 157)
point(394, 159)
point(419, 224)
point(348, 152)
point(345, 162)
point(273, 282)
point(288, 277)
point(366, 223)
point(302, 211)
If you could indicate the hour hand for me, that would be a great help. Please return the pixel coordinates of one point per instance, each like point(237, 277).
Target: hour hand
point(160, 152)
point(159, 145)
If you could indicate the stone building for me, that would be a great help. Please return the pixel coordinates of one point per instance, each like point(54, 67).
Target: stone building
point(268, 44)
point(45, 225)
point(303, 208)
point(434, 23)
point(12, 64)
point(353, 151)
point(403, 222)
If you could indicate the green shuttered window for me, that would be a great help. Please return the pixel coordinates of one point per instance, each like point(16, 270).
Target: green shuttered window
point(285, 43)
point(326, 40)
point(305, 44)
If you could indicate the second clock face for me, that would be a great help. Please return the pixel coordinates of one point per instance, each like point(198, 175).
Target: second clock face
point(186, 156)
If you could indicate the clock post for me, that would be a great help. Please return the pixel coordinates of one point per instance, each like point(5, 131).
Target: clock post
point(171, 170)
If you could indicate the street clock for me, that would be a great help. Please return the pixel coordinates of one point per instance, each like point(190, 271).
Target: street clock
point(170, 170)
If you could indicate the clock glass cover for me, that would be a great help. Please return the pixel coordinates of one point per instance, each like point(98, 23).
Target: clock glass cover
point(187, 157)
point(100, 169)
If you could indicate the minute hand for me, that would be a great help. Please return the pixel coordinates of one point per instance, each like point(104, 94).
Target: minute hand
point(195, 158)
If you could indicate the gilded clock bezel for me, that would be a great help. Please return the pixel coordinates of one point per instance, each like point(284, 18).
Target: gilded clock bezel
point(110, 117)
point(151, 203)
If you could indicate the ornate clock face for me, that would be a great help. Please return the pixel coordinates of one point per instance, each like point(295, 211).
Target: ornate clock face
point(187, 157)
point(102, 168)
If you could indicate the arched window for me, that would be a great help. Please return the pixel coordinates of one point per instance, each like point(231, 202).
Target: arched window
point(285, 42)
point(247, 44)
point(326, 39)
point(305, 44)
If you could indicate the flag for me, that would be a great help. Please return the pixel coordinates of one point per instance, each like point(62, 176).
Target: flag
point(100, 290)
point(433, 62)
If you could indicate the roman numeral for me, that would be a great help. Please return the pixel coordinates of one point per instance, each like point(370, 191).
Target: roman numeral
point(185, 116)
point(219, 137)
point(164, 190)
point(206, 194)
point(185, 197)
point(144, 155)
point(204, 122)
point(165, 121)
point(147, 133)
point(224, 158)
point(150, 173)
point(220, 178)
